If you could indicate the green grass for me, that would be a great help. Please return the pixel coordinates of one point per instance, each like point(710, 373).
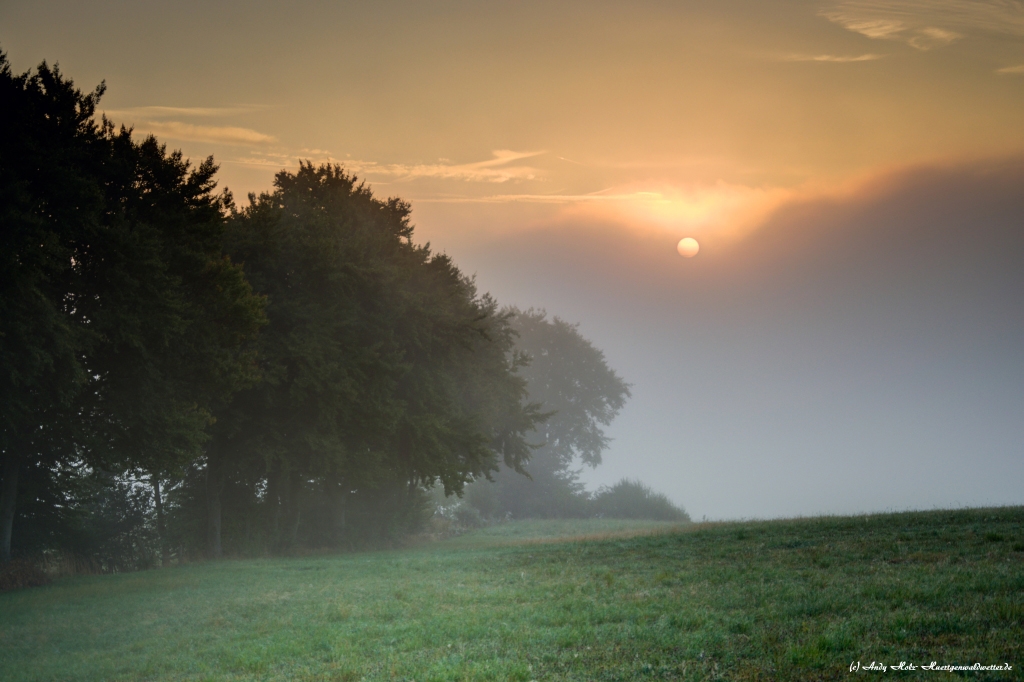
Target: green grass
point(779, 600)
point(555, 530)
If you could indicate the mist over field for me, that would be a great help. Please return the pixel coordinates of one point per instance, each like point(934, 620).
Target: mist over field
point(854, 353)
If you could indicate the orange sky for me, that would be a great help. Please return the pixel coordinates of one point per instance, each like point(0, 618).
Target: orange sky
point(689, 117)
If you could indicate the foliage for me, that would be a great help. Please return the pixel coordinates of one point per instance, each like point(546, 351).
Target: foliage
point(384, 370)
point(131, 360)
point(775, 600)
point(627, 499)
point(371, 518)
point(633, 500)
point(569, 379)
point(121, 322)
point(21, 573)
point(183, 315)
point(100, 519)
point(380, 358)
point(50, 201)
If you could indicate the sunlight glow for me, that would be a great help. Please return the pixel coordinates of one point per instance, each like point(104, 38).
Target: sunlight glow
point(718, 212)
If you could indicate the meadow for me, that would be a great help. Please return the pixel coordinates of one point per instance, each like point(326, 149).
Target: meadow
point(574, 600)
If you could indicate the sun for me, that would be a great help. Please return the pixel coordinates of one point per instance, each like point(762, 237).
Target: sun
point(688, 247)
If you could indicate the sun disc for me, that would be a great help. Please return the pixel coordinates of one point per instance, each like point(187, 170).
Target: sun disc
point(688, 247)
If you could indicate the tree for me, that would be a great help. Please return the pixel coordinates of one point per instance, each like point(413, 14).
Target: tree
point(382, 365)
point(629, 499)
point(121, 322)
point(188, 343)
point(50, 198)
point(570, 380)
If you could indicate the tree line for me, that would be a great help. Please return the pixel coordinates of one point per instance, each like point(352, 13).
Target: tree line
point(152, 328)
point(183, 374)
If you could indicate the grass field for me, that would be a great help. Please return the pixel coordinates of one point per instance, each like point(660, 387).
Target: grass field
point(778, 600)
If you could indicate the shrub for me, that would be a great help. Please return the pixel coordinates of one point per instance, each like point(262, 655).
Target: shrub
point(633, 500)
point(21, 573)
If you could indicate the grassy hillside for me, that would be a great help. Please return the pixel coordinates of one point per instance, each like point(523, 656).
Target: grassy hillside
point(776, 600)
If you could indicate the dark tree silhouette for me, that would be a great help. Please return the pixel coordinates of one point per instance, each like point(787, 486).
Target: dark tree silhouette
point(144, 370)
point(381, 363)
point(121, 322)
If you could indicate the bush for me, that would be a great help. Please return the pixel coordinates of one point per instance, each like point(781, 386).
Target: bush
point(452, 515)
point(21, 573)
point(548, 495)
point(100, 518)
point(633, 500)
point(488, 502)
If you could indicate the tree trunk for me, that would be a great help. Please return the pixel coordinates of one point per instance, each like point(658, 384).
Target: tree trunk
point(337, 496)
point(273, 500)
point(214, 488)
point(8, 495)
point(294, 512)
point(161, 530)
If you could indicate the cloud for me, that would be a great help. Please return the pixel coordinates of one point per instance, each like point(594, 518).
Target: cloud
point(158, 121)
point(157, 112)
point(497, 169)
point(839, 59)
point(276, 159)
point(926, 24)
point(718, 212)
point(602, 196)
point(872, 28)
point(929, 37)
point(231, 135)
point(1012, 70)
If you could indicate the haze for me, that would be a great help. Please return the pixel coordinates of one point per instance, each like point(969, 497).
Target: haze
point(851, 335)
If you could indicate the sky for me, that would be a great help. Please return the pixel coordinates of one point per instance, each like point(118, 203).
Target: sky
point(850, 336)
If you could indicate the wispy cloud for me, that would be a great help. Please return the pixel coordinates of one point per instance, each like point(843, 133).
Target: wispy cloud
point(1012, 70)
point(928, 37)
point(596, 197)
point(838, 59)
point(500, 168)
point(505, 165)
point(872, 28)
point(158, 112)
point(278, 160)
point(159, 120)
point(231, 135)
point(927, 24)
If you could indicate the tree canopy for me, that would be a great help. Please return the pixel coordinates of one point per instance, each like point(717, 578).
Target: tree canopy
point(570, 381)
point(122, 323)
point(569, 376)
point(295, 371)
point(381, 363)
